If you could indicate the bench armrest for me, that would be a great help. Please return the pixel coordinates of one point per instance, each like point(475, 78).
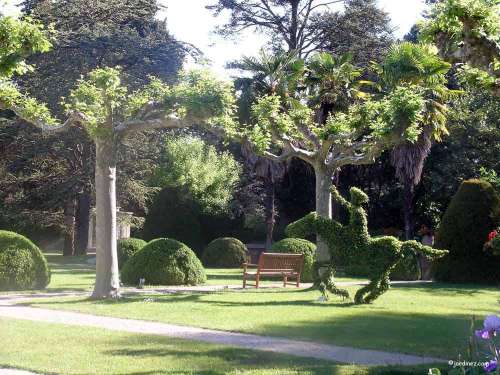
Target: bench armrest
point(247, 265)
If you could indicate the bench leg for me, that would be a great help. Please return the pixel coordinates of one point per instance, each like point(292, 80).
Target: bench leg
point(298, 281)
point(244, 282)
point(257, 281)
point(284, 281)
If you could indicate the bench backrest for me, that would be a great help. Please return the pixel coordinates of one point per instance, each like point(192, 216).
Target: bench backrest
point(281, 261)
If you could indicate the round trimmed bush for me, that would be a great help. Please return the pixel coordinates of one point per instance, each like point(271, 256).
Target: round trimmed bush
point(225, 252)
point(298, 246)
point(473, 212)
point(128, 247)
point(164, 262)
point(22, 264)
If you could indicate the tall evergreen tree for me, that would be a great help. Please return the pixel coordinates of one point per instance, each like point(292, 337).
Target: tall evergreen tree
point(362, 29)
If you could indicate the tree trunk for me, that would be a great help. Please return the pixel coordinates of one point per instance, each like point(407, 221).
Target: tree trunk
point(323, 208)
point(82, 223)
point(409, 193)
point(107, 284)
point(294, 26)
point(69, 230)
point(270, 212)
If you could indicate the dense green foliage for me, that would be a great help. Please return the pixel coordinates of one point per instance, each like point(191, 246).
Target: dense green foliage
point(197, 98)
point(22, 264)
point(468, 31)
point(351, 246)
point(174, 214)
point(362, 29)
point(20, 39)
point(164, 262)
point(298, 246)
point(127, 247)
point(225, 252)
point(473, 212)
point(192, 165)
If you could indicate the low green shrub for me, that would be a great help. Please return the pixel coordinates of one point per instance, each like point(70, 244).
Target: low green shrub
point(298, 246)
point(164, 262)
point(225, 252)
point(22, 265)
point(128, 247)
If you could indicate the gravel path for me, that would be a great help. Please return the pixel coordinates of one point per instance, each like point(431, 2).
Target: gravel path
point(273, 344)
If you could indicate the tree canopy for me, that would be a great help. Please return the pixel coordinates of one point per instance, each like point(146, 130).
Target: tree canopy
point(192, 165)
point(468, 31)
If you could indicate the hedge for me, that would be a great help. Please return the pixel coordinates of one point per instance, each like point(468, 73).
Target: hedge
point(22, 265)
point(298, 246)
point(164, 262)
point(128, 247)
point(472, 214)
point(225, 252)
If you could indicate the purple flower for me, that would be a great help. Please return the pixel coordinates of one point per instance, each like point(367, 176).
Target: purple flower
point(483, 334)
point(490, 366)
point(491, 326)
point(492, 323)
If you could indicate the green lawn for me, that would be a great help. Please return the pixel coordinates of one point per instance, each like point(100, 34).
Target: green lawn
point(426, 319)
point(419, 319)
point(59, 349)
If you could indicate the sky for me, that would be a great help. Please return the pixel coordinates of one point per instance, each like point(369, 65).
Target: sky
point(189, 21)
point(194, 24)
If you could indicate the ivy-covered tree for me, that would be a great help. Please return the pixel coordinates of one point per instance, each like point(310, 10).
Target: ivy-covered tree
point(313, 120)
point(468, 31)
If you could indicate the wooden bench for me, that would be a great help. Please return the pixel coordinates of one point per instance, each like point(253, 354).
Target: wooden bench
point(275, 264)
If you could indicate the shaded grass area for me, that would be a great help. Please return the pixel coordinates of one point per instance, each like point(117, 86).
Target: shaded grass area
point(425, 319)
point(59, 349)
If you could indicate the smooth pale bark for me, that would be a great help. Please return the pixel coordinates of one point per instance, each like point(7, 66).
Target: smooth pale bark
point(323, 208)
point(107, 284)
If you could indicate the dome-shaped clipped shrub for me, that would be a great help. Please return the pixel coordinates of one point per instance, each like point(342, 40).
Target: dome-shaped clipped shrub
point(298, 246)
point(128, 247)
point(22, 264)
point(225, 252)
point(472, 214)
point(164, 262)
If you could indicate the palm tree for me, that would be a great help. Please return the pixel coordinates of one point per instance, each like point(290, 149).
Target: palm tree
point(270, 74)
point(418, 66)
